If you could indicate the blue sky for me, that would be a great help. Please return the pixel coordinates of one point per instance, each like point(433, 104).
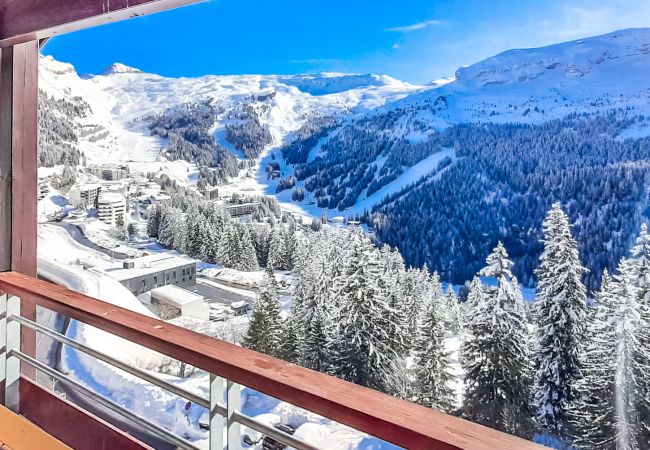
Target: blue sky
point(413, 40)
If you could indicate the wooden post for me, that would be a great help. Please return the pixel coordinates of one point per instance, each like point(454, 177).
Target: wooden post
point(18, 172)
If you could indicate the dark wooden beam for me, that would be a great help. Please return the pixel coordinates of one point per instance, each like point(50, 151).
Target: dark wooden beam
point(6, 107)
point(29, 20)
point(18, 157)
point(18, 171)
point(24, 158)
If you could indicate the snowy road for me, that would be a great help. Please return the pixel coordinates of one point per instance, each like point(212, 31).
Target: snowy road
point(75, 233)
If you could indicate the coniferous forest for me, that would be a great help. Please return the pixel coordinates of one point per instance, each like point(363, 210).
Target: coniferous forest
point(564, 371)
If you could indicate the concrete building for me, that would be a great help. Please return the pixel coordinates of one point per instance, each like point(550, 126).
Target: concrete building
point(172, 301)
point(111, 208)
point(211, 193)
point(84, 195)
point(241, 209)
point(143, 274)
point(110, 172)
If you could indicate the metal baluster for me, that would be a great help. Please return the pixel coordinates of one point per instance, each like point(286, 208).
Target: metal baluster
point(217, 418)
point(233, 400)
point(12, 364)
point(3, 345)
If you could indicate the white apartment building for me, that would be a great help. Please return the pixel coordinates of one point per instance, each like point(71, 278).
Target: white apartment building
point(84, 195)
point(110, 172)
point(111, 208)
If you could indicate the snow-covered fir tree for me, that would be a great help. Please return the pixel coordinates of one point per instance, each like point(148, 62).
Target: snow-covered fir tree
point(496, 353)
point(247, 260)
point(560, 313)
point(362, 351)
point(230, 247)
point(432, 384)
point(315, 348)
point(593, 412)
point(391, 282)
point(641, 255)
point(414, 294)
point(278, 258)
point(265, 327)
point(629, 369)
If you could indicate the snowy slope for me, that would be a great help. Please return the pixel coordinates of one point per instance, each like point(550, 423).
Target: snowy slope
point(594, 75)
point(121, 96)
point(534, 85)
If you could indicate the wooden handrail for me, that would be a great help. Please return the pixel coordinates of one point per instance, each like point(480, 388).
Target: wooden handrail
point(397, 421)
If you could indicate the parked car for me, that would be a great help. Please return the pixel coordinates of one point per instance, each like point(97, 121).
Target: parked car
point(268, 443)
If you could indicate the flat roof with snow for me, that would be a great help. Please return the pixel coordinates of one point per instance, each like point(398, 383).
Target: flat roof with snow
point(146, 265)
point(175, 296)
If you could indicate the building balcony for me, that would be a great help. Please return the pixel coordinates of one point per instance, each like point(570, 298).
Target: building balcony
point(33, 413)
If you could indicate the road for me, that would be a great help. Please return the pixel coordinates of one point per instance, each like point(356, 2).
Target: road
point(75, 233)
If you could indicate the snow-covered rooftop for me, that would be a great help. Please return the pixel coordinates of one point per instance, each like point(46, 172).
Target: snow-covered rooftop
point(175, 296)
point(146, 265)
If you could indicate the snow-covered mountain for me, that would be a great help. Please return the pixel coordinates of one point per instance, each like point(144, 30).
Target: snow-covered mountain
point(534, 85)
point(122, 96)
point(348, 144)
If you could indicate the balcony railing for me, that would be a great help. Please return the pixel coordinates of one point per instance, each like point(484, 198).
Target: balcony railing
point(230, 367)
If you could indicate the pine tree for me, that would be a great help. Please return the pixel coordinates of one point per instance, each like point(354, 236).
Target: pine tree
point(153, 223)
point(361, 348)
point(432, 378)
point(496, 354)
point(315, 347)
point(641, 256)
point(593, 412)
point(453, 309)
point(230, 247)
point(560, 315)
point(194, 222)
point(289, 349)
point(628, 371)
point(247, 259)
point(208, 245)
point(265, 327)
point(390, 282)
point(278, 249)
point(413, 293)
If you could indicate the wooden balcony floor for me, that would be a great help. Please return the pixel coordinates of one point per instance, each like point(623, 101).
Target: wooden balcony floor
point(18, 433)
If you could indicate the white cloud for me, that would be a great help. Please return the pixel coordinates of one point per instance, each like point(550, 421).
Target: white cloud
point(396, 46)
point(415, 26)
point(581, 21)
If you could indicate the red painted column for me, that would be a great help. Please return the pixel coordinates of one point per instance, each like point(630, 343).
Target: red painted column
point(18, 172)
